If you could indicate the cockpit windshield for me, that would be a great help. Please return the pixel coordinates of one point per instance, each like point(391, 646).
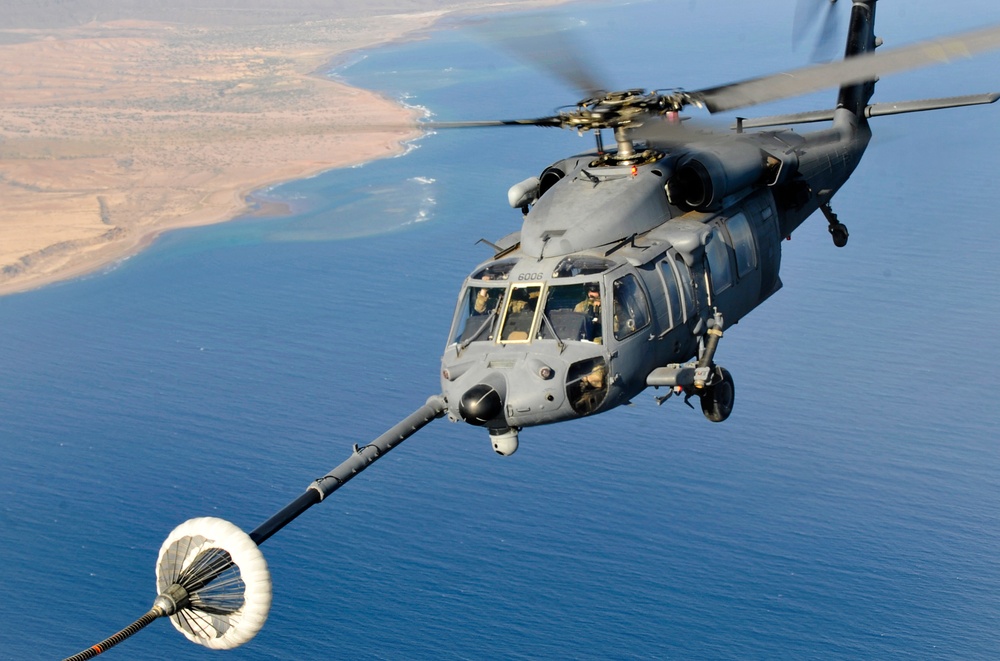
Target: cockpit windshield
point(520, 315)
point(572, 312)
point(491, 311)
point(478, 313)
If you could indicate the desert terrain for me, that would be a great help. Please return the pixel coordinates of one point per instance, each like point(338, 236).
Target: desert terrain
point(118, 125)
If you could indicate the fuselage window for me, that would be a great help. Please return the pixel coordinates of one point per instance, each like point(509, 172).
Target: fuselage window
point(687, 288)
point(718, 261)
point(631, 308)
point(743, 245)
point(520, 314)
point(572, 312)
point(673, 293)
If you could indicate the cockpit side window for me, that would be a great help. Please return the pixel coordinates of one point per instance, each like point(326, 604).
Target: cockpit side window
point(478, 312)
point(520, 314)
point(631, 307)
point(572, 312)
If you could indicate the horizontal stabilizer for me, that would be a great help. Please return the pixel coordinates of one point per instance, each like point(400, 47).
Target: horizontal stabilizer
point(874, 110)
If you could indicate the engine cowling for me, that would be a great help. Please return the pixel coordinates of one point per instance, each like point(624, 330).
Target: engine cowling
point(703, 178)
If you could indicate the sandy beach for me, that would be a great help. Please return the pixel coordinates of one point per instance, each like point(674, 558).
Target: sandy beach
point(114, 132)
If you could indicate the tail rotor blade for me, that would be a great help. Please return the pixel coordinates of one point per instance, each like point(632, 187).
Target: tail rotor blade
point(826, 42)
point(804, 20)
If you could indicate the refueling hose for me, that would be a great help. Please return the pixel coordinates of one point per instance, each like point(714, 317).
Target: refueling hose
point(111, 641)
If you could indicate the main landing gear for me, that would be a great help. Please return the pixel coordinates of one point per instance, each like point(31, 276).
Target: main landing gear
point(717, 399)
point(717, 394)
point(838, 230)
point(711, 383)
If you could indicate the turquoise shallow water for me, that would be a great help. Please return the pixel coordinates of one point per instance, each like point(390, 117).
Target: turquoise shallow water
point(848, 509)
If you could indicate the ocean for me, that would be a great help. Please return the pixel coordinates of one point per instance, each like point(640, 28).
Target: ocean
point(849, 508)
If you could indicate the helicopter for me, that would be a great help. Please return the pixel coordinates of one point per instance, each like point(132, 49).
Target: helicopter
point(630, 264)
point(679, 232)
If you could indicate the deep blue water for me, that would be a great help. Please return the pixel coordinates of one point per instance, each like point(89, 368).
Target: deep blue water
point(850, 507)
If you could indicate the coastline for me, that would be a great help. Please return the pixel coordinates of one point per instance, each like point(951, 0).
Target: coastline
point(112, 134)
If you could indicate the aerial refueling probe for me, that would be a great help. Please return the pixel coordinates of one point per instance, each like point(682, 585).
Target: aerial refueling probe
point(212, 579)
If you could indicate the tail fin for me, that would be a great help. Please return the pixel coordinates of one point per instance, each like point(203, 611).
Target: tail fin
point(860, 39)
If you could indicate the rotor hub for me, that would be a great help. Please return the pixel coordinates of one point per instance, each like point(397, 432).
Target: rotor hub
point(611, 159)
point(616, 110)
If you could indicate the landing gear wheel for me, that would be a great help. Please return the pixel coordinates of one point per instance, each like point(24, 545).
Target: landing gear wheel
point(839, 233)
point(717, 400)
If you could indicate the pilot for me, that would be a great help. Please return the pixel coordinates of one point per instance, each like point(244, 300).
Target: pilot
point(591, 309)
point(485, 302)
point(591, 305)
point(523, 300)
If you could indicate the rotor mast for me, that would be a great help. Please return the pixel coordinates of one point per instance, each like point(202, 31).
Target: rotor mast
point(626, 149)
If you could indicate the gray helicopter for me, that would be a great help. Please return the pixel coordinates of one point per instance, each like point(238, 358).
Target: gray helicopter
point(630, 264)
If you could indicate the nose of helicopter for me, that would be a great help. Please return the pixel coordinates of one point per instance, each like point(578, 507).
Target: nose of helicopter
point(481, 404)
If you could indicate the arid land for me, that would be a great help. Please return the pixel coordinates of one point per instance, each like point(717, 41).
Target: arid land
point(112, 132)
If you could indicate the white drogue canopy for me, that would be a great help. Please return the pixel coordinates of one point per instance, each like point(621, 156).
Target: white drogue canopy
point(226, 579)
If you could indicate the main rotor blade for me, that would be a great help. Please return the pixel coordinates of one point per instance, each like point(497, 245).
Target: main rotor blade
point(665, 134)
point(849, 71)
point(541, 42)
point(476, 124)
point(555, 121)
